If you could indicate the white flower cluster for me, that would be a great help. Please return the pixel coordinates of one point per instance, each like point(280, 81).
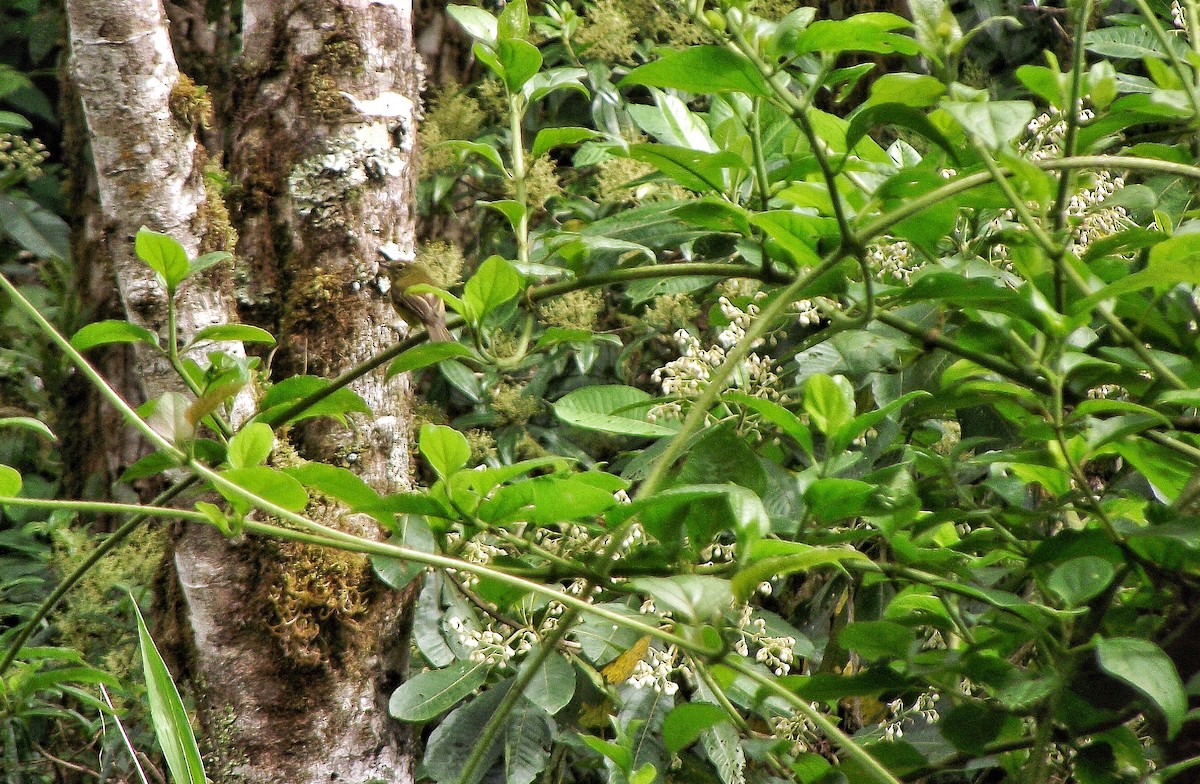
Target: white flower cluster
point(655, 670)
point(489, 646)
point(798, 729)
point(925, 708)
point(717, 553)
point(807, 312)
point(687, 376)
point(571, 539)
point(1177, 17)
point(778, 653)
point(893, 260)
point(1096, 220)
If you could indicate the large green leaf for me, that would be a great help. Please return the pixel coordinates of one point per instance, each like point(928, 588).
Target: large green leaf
point(430, 694)
point(103, 333)
point(870, 32)
point(992, 123)
point(452, 741)
point(695, 170)
point(701, 69)
point(1145, 667)
point(610, 409)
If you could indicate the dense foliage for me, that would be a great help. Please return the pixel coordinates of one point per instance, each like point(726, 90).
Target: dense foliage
point(780, 443)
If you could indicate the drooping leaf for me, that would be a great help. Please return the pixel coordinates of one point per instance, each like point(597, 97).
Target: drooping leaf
point(701, 69)
point(610, 409)
point(1144, 666)
point(429, 694)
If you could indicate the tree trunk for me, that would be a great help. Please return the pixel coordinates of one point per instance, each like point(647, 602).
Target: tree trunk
point(291, 651)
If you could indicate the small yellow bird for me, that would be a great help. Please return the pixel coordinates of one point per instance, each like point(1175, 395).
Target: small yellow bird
point(423, 309)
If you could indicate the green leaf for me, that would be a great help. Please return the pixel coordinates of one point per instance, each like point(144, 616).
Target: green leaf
point(860, 33)
point(1143, 665)
point(429, 694)
point(452, 741)
point(521, 60)
point(693, 169)
point(164, 255)
point(864, 422)
point(721, 455)
point(167, 713)
point(910, 89)
point(830, 405)
point(514, 20)
point(610, 409)
point(527, 742)
point(33, 227)
point(103, 333)
point(971, 726)
point(478, 23)
point(900, 115)
point(12, 121)
point(241, 332)
point(1132, 43)
point(994, 123)
point(288, 391)
point(553, 685)
point(797, 234)
point(552, 80)
point(620, 755)
point(493, 284)
point(684, 724)
point(701, 69)
point(777, 415)
point(549, 138)
point(747, 580)
point(29, 423)
point(515, 211)
point(10, 481)
point(425, 355)
point(877, 639)
point(207, 260)
point(251, 445)
point(487, 152)
point(445, 448)
point(545, 500)
point(168, 416)
point(1080, 580)
point(266, 483)
point(690, 597)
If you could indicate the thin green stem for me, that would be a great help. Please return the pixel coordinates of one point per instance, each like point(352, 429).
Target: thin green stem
point(1070, 143)
point(716, 384)
point(145, 510)
point(515, 693)
point(111, 541)
point(26, 307)
point(872, 766)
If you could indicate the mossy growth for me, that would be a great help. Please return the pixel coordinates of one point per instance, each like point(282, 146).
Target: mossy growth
point(222, 758)
point(96, 621)
point(313, 598)
point(340, 55)
point(312, 301)
point(190, 103)
point(212, 222)
point(512, 406)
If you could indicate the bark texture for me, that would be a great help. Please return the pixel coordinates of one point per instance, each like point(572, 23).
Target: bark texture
point(291, 651)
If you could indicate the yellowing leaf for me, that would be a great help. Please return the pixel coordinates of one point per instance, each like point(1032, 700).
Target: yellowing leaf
point(619, 669)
